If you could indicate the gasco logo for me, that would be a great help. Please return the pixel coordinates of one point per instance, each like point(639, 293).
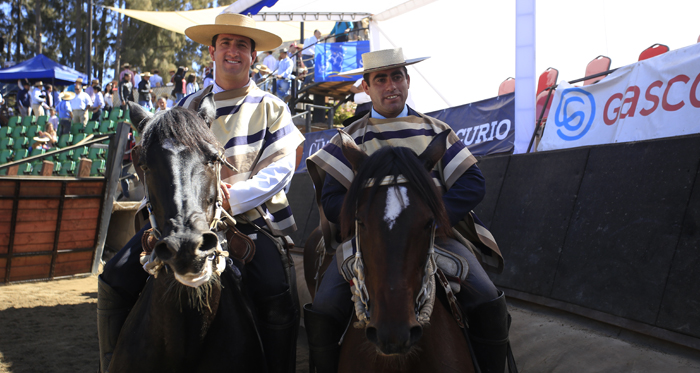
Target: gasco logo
point(575, 114)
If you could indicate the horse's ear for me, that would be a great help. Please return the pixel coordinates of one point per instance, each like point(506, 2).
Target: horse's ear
point(351, 151)
point(207, 109)
point(139, 116)
point(435, 150)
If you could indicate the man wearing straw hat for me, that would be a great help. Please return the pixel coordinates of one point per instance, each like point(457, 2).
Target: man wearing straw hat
point(65, 112)
point(260, 140)
point(38, 99)
point(391, 122)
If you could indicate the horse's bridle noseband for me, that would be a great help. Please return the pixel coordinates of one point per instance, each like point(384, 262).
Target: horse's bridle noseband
point(426, 296)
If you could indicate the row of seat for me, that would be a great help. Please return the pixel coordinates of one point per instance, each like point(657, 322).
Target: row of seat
point(115, 115)
point(60, 168)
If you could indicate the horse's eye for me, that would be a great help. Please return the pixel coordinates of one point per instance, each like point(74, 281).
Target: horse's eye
point(360, 223)
point(430, 224)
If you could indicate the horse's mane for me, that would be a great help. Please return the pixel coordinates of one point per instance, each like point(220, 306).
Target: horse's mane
point(394, 161)
point(181, 126)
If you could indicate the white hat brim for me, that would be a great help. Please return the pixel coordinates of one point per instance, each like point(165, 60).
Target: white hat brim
point(362, 70)
point(264, 40)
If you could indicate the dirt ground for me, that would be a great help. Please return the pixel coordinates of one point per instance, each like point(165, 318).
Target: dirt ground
point(51, 327)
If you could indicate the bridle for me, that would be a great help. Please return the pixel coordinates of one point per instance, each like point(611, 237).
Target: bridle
point(425, 299)
point(152, 264)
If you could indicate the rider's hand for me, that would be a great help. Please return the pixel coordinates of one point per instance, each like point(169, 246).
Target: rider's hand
point(226, 194)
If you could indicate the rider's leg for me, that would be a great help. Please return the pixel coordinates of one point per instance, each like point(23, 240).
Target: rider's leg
point(276, 309)
point(326, 319)
point(485, 309)
point(118, 288)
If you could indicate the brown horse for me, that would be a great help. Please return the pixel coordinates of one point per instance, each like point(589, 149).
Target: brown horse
point(394, 210)
point(193, 315)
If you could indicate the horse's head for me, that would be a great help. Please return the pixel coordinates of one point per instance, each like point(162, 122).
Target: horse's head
point(394, 207)
point(180, 159)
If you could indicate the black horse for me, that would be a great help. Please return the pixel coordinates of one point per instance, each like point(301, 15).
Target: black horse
point(191, 315)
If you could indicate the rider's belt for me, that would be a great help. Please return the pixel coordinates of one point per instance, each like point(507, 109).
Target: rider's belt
point(452, 265)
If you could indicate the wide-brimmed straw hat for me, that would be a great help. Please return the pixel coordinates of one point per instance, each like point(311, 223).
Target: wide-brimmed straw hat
point(262, 69)
point(382, 60)
point(147, 74)
point(236, 24)
point(67, 95)
point(41, 139)
point(39, 84)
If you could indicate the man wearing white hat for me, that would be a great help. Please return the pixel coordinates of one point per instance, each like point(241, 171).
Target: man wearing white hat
point(260, 141)
point(391, 122)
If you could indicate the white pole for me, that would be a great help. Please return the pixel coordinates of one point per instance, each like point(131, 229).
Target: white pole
point(524, 73)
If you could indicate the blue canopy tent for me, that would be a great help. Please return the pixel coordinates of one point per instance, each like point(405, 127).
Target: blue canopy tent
point(41, 68)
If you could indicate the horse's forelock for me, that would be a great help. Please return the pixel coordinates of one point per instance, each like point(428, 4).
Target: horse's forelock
point(394, 161)
point(179, 126)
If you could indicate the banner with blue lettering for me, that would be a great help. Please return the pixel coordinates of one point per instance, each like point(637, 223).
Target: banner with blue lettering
point(333, 58)
point(485, 127)
point(314, 142)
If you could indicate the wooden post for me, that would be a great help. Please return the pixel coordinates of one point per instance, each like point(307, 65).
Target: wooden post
point(12, 171)
point(84, 167)
point(46, 168)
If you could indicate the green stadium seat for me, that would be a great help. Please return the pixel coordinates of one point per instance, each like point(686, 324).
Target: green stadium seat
point(65, 140)
point(19, 131)
point(13, 121)
point(38, 151)
point(7, 143)
point(92, 127)
point(67, 168)
point(34, 169)
point(98, 167)
point(76, 128)
point(41, 121)
point(20, 154)
point(80, 152)
point(107, 126)
point(28, 120)
point(5, 156)
point(65, 156)
point(32, 131)
point(115, 114)
point(96, 153)
point(105, 115)
point(5, 132)
point(20, 143)
point(79, 137)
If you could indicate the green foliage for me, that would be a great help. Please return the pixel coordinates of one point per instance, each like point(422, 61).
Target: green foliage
point(344, 112)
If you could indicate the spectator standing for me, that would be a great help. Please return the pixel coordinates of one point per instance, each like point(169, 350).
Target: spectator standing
point(2, 101)
point(179, 84)
point(145, 91)
point(99, 103)
point(51, 97)
point(24, 101)
point(126, 70)
point(125, 91)
point(341, 31)
point(38, 98)
point(53, 118)
point(136, 77)
point(284, 74)
point(81, 105)
point(271, 62)
point(308, 55)
point(90, 90)
point(156, 80)
point(108, 97)
point(192, 85)
point(362, 99)
point(65, 112)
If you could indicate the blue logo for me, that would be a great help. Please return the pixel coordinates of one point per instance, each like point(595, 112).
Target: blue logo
point(574, 114)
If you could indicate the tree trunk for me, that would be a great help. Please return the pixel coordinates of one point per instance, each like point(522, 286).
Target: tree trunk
point(101, 49)
point(118, 47)
point(37, 31)
point(78, 35)
point(18, 56)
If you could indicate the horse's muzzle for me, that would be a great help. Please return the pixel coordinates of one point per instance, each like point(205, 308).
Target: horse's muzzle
point(187, 253)
point(395, 340)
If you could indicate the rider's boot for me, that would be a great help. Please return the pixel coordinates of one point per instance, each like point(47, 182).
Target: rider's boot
point(278, 325)
point(112, 311)
point(488, 332)
point(323, 333)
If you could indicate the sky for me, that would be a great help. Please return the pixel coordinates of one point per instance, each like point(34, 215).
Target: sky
point(472, 43)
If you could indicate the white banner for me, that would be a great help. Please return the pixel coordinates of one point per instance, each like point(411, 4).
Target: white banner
point(650, 99)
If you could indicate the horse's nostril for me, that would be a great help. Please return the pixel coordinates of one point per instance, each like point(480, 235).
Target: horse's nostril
point(371, 333)
point(416, 334)
point(164, 251)
point(209, 241)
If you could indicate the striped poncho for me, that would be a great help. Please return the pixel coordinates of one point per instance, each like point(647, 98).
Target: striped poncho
point(255, 129)
point(414, 131)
